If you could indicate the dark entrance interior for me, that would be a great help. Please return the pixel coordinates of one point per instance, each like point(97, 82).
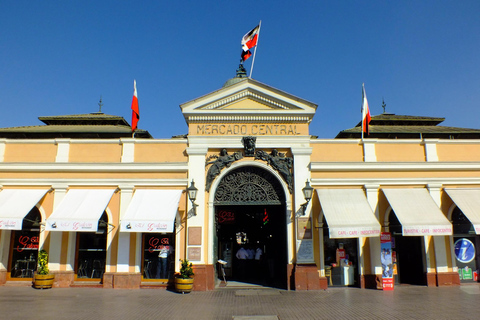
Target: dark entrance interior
point(251, 220)
point(408, 254)
point(259, 230)
point(24, 246)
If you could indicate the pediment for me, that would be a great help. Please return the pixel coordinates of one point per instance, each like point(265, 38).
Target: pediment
point(247, 98)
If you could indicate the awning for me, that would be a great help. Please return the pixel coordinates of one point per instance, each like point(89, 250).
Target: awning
point(151, 210)
point(348, 213)
point(15, 204)
point(418, 213)
point(80, 210)
point(468, 200)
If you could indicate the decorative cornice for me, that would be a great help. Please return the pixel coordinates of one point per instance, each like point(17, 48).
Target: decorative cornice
point(243, 95)
point(444, 182)
point(66, 183)
point(394, 166)
point(247, 118)
point(94, 167)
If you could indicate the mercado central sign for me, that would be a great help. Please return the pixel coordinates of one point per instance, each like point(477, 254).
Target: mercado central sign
point(249, 129)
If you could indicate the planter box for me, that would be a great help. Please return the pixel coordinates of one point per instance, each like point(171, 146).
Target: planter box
point(43, 281)
point(183, 285)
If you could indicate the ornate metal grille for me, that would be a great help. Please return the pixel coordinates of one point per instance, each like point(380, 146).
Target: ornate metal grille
point(249, 186)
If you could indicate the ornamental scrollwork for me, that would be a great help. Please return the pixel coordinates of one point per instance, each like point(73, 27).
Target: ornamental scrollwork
point(280, 163)
point(224, 160)
point(248, 186)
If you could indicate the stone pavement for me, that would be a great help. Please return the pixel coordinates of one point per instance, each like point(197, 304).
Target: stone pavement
point(406, 302)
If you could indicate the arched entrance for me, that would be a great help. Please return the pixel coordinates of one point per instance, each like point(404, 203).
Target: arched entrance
point(250, 216)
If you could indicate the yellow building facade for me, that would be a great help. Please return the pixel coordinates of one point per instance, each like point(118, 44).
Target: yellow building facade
point(115, 212)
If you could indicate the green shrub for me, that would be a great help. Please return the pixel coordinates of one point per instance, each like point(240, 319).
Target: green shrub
point(43, 262)
point(186, 270)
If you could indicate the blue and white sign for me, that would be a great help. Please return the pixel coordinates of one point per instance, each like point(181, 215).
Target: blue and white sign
point(464, 250)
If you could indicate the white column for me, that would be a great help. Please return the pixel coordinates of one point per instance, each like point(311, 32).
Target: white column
point(72, 243)
point(63, 150)
point(301, 173)
point(196, 172)
point(4, 248)
point(369, 154)
point(128, 149)
point(439, 241)
point(123, 253)
point(431, 150)
point(55, 249)
point(375, 248)
point(3, 143)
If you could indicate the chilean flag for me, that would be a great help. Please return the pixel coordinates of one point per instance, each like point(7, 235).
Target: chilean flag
point(249, 41)
point(135, 110)
point(365, 112)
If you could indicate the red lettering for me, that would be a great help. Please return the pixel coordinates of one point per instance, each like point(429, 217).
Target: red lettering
point(27, 243)
point(225, 216)
point(153, 242)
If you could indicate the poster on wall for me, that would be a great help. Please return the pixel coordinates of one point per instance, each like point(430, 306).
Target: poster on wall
point(386, 259)
point(305, 252)
point(304, 228)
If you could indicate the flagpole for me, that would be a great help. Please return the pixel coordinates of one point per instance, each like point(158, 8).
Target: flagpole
point(363, 98)
point(255, 51)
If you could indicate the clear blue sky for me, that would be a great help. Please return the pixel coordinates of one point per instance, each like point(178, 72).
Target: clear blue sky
point(59, 57)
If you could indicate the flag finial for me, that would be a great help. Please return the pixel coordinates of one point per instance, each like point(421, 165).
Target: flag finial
point(100, 105)
point(241, 72)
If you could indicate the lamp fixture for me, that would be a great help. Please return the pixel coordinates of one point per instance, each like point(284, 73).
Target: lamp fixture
point(307, 194)
point(192, 194)
point(104, 226)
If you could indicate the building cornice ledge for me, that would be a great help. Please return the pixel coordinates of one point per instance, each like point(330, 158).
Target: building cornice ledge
point(394, 166)
point(94, 167)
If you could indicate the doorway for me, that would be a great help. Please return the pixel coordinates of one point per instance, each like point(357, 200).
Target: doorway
point(251, 228)
point(252, 242)
point(24, 247)
point(407, 252)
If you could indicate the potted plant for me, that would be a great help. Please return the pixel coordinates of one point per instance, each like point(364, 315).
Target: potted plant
point(42, 278)
point(184, 279)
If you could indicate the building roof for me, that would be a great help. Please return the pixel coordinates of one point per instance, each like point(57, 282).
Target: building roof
point(391, 126)
point(78, 126)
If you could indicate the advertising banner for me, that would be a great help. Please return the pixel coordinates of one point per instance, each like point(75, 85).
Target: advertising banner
point(386, 259)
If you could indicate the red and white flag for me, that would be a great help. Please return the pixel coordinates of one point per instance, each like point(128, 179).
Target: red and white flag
point(249, 41)
point(365, 112)
point(135, 110)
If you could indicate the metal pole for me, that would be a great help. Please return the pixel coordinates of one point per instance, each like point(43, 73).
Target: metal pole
point(255, 51)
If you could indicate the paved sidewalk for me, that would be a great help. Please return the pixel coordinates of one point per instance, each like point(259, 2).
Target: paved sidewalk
point(406, 302)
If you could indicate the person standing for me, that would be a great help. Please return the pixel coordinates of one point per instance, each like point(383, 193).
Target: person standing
point(163, 262)
point(242, 256)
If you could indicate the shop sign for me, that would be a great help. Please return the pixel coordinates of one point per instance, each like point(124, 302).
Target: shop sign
point(387, 261)
point(9, 224)
point(26, 242)
point(427, 230)
point(146, 226)
point(157, 244)
point(464, 250)
point(225, 217)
